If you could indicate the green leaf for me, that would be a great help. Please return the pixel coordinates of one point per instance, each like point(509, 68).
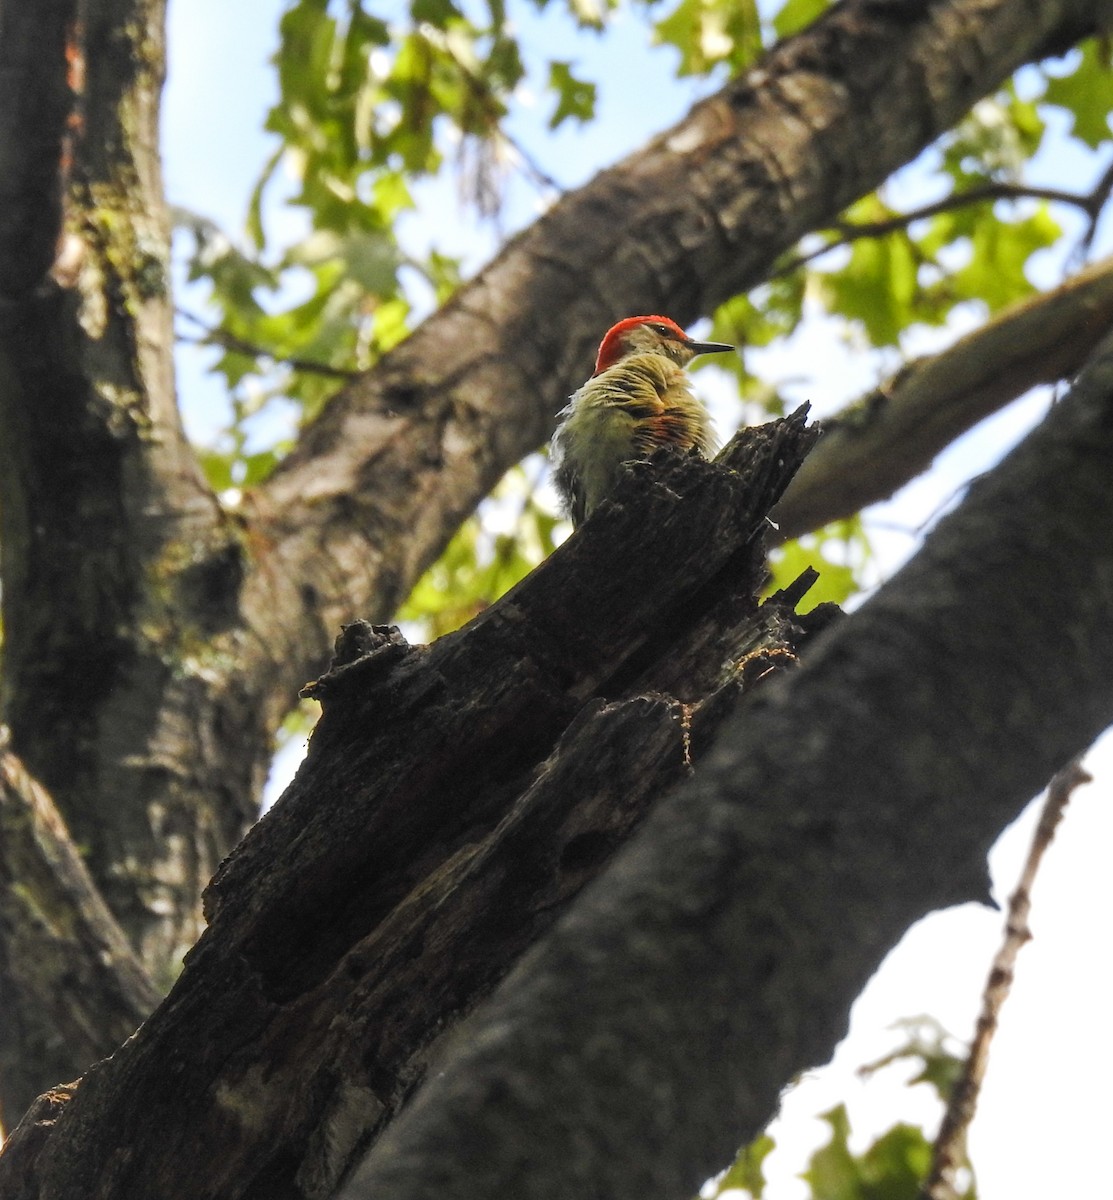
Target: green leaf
point(371, 259)
point(257, 467)
point(896, 1164)
point(1001, 250)
point(575, 97)
point(772, 312)
point(840, 552)
point(798, 14)
point(476, 568)
point(1086, 93)
point(994, 141)
point(833, 1172)
point(709, 32)
point(746, 1172)
point(217, 466)
point(893, 1167)
point(440, 13)
point(941, 1056)
point(254, 223)
point(876, 287)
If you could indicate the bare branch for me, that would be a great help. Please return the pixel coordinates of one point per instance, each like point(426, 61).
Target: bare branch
point(847, 232)
point(1098, 198)
point(890, 436)
point(949, 1147)
point(215, 336)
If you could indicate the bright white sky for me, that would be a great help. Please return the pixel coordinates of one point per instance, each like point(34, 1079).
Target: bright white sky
point(1043, 1121)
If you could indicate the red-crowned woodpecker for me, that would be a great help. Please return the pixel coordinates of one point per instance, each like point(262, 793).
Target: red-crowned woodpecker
point(638, 400)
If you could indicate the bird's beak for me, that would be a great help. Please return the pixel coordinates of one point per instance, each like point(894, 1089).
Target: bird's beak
point(710, 347)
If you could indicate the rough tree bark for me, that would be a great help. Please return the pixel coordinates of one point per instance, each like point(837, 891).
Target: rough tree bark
point(653, 1030)
point(153, 641)
point(93, 991)
point(120, 571)
point(454, 799)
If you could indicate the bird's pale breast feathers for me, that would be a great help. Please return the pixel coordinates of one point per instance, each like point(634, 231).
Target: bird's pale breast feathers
point(641, 403)
point(638, 400)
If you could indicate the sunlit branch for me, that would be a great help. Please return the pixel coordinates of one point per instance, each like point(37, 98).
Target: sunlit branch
point(876, 445)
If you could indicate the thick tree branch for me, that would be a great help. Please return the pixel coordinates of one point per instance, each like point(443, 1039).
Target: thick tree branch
point(652, 1032)
point(73, 988)
point(161, 642)
point(892, 435)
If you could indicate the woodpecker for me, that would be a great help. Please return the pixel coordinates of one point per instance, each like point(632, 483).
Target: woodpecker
point(638, 400)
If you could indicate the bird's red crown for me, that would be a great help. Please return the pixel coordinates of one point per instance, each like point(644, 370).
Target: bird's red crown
point(612, 347)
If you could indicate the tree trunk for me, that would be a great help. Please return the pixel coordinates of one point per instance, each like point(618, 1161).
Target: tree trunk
point(120, 572)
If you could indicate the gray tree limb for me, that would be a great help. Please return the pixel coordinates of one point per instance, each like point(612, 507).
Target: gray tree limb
point(893, 434)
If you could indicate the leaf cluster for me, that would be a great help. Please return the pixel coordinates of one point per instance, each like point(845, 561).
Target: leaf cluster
point(895, 1164)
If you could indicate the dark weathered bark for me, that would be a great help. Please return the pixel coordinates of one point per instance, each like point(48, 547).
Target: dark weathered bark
point(454, 799)
point(652, 1032)
point(71, 982)
point(120, 573)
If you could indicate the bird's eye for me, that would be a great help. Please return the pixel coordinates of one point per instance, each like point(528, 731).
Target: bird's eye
point(664, 330)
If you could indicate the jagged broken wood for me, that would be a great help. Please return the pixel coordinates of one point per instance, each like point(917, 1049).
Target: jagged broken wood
point(454, 799)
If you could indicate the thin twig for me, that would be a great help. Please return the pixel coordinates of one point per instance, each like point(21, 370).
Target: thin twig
point(1098, 197)
point(532, 168)
point(229, 341)
point(849, 231)
point(949, 1150)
